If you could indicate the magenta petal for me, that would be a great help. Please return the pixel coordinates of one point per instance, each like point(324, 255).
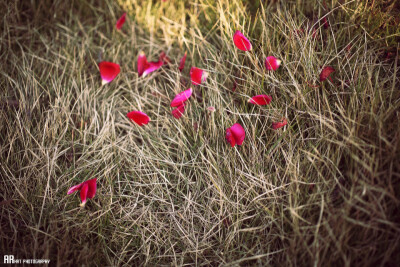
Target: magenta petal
point(84, 192)
point(229, 137)
point(178, 112)
point(92, 183)
point(139, 117)
point(198, 75)
point(152, 66)
point(142, 63)
point(182, 62)
point(272, 63)
point(75, 188)
point(121, 21)
point(181, 97)
point(241, 41)
point(108, 71)
point(238, 133)
point(260, 100)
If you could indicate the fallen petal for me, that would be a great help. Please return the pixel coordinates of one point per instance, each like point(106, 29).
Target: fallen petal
point(182, 62)
point(178, 112)
point(142, 63)
point(272, 63)
point(108, 71)
point(121, 21)
point(75, 188)
point(241, 41)
point(198, 75)
point(181, 97)
point(325, 73)
point(260, 100)
point(280, 124)
point(138, 117)
point(83, 194)
point(92, 183)
point(229, 137)
point(152, 66)
point(238, 133)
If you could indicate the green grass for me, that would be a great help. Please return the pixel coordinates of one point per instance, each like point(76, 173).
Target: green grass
point(323, 191)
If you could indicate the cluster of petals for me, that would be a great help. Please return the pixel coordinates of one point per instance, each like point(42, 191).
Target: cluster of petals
point(140, 118)
point(144, 67)
point(87, 190)
point(180, 102)
point(235, 135)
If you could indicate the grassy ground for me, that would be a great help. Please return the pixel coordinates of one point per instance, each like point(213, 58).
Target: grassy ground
point(322, 191)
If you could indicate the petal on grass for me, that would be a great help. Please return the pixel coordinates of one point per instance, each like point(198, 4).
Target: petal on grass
point(92, 183)
point(142, 63)
point(229, 137)
point(75, 188)
point(182, 62)
point(121, 21)
point(241, 41)
point(238, 133)
point(260, 100)
point(178, 112)
point(325, 73)
point(152, 66)
point(197, 75)
point(181, 98)
point(280, 124)
point(138, 117)
point(83, 194)
point(108, 71)
point(272, 63)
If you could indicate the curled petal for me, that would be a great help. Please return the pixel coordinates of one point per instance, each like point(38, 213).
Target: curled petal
point(92, 187)
point(121, 21)
point(280, 124)
point(142, 63)
point(178, 112)
point(241, 41)
point(272, 63)
point(238, 133)
point(108, 71)
point(325, 73)
point(198, 75)
point(75, 188)
point(84, 192)
point(260, 100)
point(182, 62)
point(181, 97)
point(229, 137)
point(152, 66)
point(138, 117)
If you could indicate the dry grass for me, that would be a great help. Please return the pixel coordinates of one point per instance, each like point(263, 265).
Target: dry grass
point(323, 191)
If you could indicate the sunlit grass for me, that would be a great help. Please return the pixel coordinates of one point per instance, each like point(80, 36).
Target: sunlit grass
point(323, 190)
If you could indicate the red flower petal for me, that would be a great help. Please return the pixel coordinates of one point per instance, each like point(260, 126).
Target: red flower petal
point(138, 117)
point(235, 134)
point(241, 41)
point(272, 63)
point(75, 188)
point(325, 73)
point(83, 194)
point(178, 112)
point(92, 183)
point(260, 100)
point(198, 75)
point(108, 71)
point(181, 97)
point(229, 137)
point(280, 124)
point(152, 66)
point(121, 21)
point(182, 63)
point(142, 63)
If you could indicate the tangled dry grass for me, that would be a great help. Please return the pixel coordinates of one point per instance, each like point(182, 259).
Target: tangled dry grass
point(323, 191)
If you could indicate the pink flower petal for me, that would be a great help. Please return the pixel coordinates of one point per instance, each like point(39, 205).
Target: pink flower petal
point(181, 97)
point(92, 183)
point(238, 133)
point(325, 73)
point(229, 137)
point(260, 100)
point(108, 71)
point(142, 63)
point(182, 62)
point(138, 117)
point(212, 109)
point(178, 112)
point(121, 21)
point(280, 124)
point(152, 66)
point(272, 63)
point(83, 194)
point(198, 75)
point(241, 41)
point(75, 188)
